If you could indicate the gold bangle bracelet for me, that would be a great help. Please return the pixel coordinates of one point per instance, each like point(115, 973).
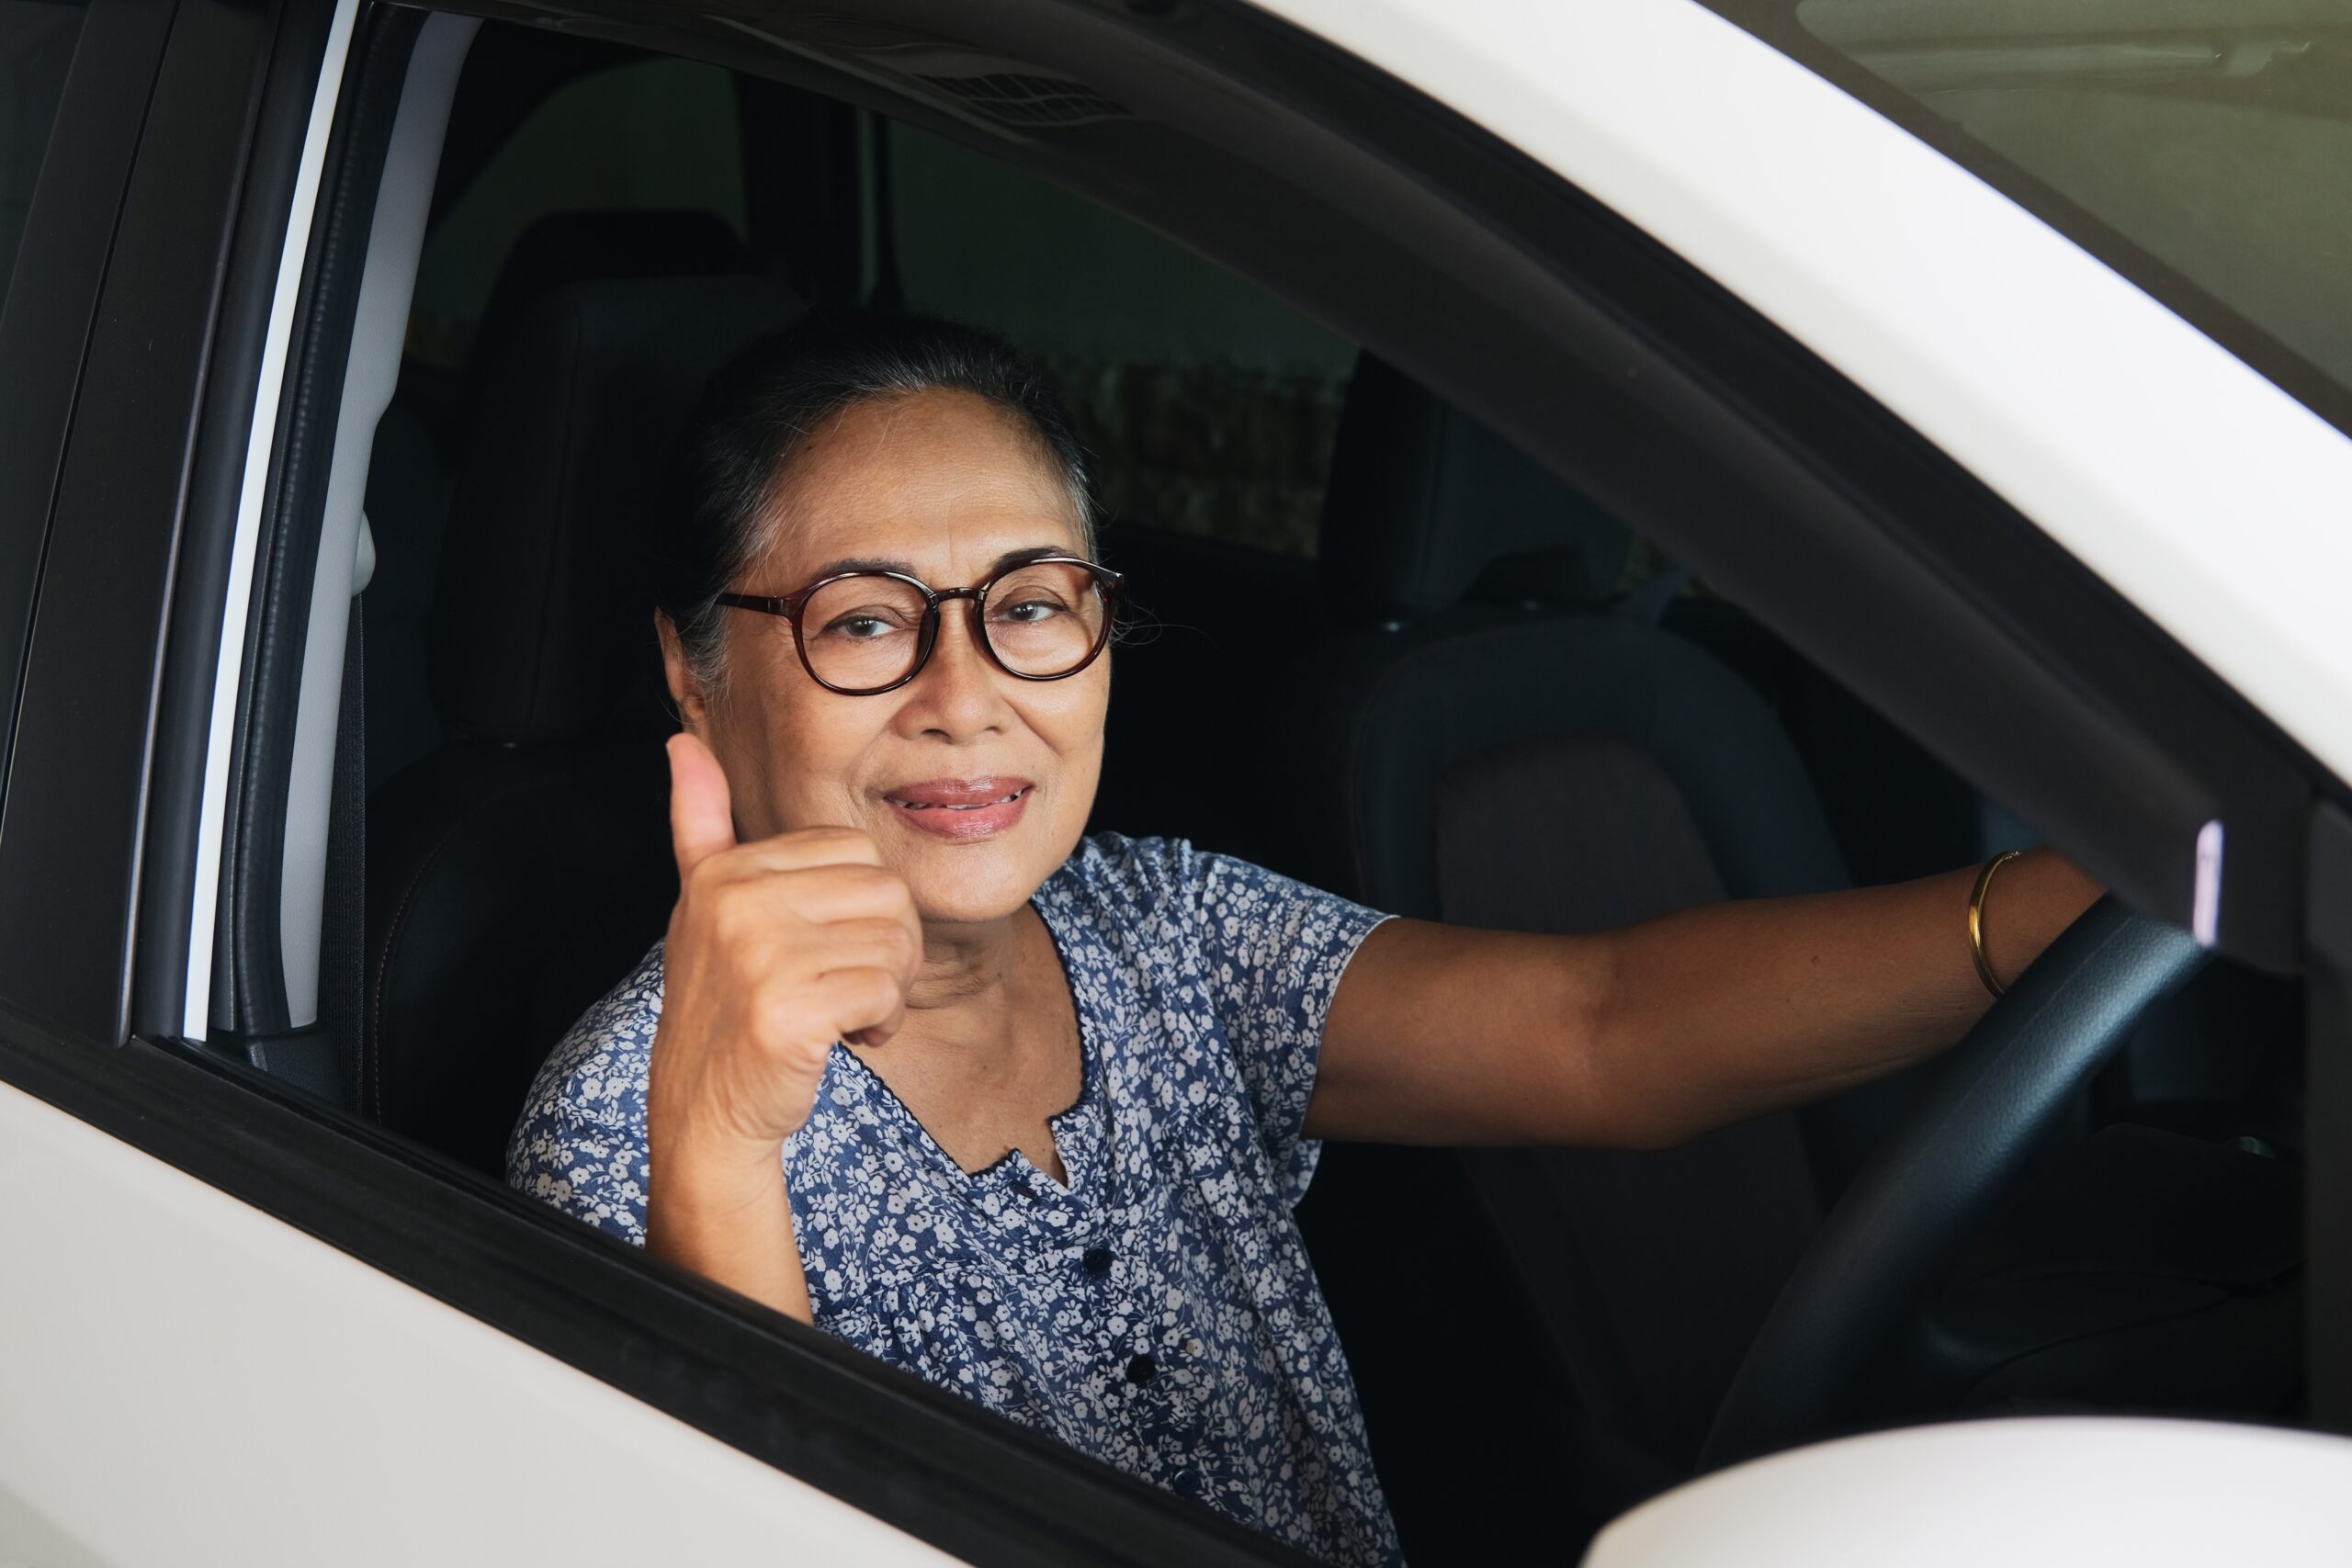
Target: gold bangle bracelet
point(1977, 921)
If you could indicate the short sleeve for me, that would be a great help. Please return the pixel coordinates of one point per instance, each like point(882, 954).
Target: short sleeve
point(581, 1143)
point(1272, 950)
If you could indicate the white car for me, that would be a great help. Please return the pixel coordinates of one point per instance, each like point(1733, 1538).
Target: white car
point(1574, 460)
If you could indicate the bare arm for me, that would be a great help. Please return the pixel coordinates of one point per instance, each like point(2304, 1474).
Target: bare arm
point(1654, 1033)
point(729, 1220)
point(775, 949)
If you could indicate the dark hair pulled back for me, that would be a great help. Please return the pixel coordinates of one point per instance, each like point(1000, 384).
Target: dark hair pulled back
point(762, 407)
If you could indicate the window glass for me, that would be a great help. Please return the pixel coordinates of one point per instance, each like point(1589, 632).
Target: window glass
point(652, 134)
point(2201, 147)
point(36, 45)
point(1209, 405)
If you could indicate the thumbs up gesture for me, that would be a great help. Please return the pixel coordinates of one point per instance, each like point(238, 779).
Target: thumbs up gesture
point(776, 949)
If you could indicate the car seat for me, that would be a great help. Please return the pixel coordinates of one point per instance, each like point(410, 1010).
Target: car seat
point(515, 870)
point(1501, 740)
point(420, 440)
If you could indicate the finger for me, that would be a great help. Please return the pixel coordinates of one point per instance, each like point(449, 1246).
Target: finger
point(702, 821)
point(866, 1006)
point(868, 944)
point(823, 895)
point(806, 847)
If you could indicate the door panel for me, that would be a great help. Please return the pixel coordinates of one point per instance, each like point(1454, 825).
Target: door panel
point(194, 1382)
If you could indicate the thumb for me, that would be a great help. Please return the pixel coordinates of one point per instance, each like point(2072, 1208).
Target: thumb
point(702, 819)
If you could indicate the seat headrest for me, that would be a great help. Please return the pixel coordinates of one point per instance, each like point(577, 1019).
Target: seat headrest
point(1424, 503)
point(542, 616)
point(563, 248)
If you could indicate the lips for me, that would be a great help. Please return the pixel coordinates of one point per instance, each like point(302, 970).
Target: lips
point(961, 809)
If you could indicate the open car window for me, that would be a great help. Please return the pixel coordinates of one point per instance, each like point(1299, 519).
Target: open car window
point(1209, 404)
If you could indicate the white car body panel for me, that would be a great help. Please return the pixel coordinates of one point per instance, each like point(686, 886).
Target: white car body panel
point(2215, 503)
point(190, 1383)
point(2046, 1493)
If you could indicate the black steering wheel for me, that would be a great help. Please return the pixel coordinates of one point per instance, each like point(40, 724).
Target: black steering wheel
point(1842, 1343)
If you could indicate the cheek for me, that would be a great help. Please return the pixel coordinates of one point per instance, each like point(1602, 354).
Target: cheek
point(822, 742)
point(793, 750)
point(1070, 714)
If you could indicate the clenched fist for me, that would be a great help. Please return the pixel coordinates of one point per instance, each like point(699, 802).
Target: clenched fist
point(775, 949)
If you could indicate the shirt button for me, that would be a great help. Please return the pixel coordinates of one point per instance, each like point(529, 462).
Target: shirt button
point(1142, 1370)
point(1097, 1260)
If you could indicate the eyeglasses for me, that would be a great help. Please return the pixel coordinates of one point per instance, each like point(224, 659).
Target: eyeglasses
point(864, 633)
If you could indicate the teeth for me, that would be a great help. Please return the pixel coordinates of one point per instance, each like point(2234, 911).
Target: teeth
point(939, 805)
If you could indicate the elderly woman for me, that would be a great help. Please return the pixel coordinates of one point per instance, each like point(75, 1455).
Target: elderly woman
point(1026, 1112)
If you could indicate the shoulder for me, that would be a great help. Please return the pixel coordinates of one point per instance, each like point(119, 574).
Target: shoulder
point(1163, 873)
point(1159, 893)
point(597, 1073)
point(1114, 862)
point(1144, 891)
point(580, 1142)
point(1140, 874)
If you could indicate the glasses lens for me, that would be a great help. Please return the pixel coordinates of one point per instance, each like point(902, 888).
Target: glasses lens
point(861, 632)
point(1045, 619)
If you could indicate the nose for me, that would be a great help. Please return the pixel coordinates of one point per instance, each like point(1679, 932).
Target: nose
point(958, 694)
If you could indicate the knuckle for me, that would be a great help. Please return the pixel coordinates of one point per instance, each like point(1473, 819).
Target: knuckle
point(782, 1025)
point(891, 896)
point(698, 881)
point(731, 914)
point(878, 990)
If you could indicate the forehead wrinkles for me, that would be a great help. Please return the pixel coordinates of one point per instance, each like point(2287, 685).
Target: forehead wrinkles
point(885, 439)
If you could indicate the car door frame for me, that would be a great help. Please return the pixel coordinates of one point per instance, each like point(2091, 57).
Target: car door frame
point(52, 289)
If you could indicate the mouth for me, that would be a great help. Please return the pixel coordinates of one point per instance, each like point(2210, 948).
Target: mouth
point(961, 809)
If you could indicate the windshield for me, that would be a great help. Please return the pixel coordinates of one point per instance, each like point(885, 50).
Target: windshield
point(2202, 148)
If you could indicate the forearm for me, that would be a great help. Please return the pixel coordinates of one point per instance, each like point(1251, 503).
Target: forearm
point(1716, 1013)
point(727, 1217)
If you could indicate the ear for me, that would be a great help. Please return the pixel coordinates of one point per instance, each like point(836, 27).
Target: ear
point(685, 691)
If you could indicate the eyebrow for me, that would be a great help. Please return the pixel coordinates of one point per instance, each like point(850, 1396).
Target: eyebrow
point(878, 563)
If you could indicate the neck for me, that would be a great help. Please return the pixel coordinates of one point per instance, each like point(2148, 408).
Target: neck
point(966, 964)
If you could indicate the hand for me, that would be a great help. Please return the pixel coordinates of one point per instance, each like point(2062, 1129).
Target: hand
point(775, 949)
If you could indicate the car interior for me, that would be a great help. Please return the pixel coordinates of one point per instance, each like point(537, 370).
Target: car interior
point(1372, 643)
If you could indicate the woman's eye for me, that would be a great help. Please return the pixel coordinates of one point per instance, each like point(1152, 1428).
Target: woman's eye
point(860, 629)
point(1028, 612)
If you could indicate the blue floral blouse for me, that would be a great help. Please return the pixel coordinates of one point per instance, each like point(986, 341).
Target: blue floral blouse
point(1160, 1312)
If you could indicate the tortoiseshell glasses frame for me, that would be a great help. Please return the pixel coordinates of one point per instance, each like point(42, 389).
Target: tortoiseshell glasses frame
point(1105, 584)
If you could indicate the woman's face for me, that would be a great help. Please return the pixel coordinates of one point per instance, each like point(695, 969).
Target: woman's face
point(943, 486)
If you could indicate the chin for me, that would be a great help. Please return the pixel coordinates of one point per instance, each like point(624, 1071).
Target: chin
point(976, 882)
point(963, 900)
